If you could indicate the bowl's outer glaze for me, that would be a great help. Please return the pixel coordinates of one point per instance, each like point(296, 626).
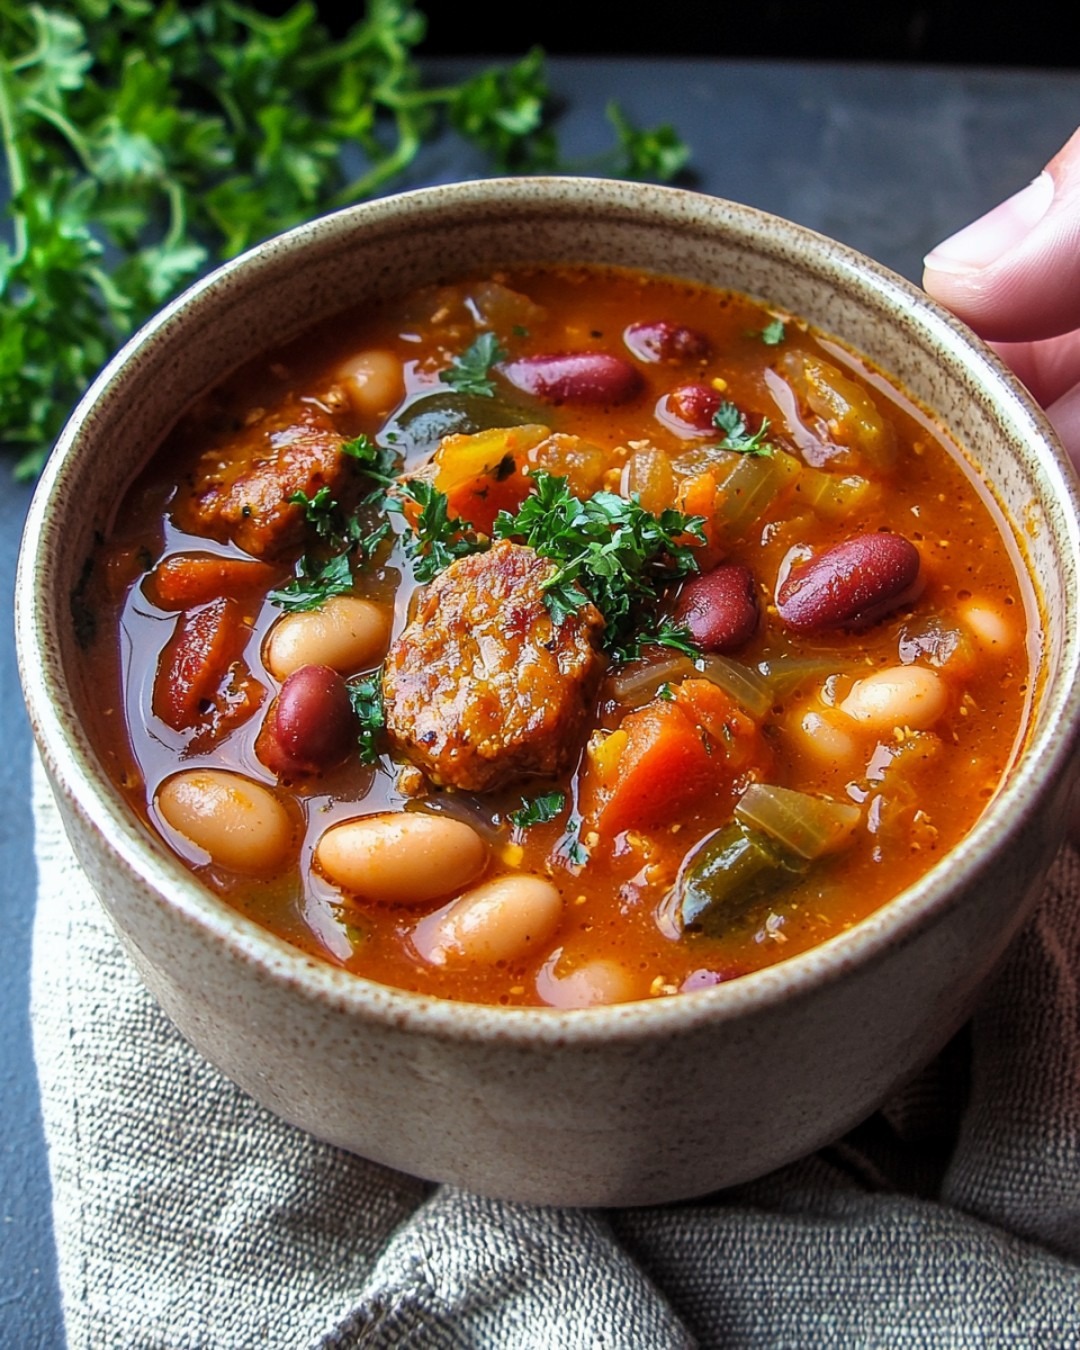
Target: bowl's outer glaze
point(630, 1104)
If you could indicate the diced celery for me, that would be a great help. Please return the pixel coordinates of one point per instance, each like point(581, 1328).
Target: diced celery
point(639, 685)
point(750, 487)
point(846, 409)
point(833, 496)
point(785, 674)
point(732, 870)
point(750, 690)
point(802, 823)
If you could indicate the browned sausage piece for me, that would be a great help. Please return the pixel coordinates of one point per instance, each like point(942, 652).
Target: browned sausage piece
point(482, 687)
point(241, 487)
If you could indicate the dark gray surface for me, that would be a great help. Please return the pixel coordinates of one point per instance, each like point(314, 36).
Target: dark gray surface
point(889, 159)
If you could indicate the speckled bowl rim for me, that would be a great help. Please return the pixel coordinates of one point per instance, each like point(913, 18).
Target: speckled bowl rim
point(899, 922)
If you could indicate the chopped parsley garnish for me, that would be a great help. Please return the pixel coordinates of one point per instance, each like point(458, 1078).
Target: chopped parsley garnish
point(538, 810)
point(316, 580)
point(570, 845)
point(379, 464)
point(730, 420)
point(365, 695)
point(470, 372)
point(320, 511)
point(773, 333)
point(319, 578)
point(437, 540)
point(610, 551)
point(667, 633)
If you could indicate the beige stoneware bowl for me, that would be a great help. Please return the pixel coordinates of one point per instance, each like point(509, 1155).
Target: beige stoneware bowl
point(630, 1104)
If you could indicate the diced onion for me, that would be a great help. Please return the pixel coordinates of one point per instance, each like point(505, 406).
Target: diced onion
point(807, 825)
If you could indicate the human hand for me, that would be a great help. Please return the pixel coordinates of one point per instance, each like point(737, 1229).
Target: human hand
point(1013, 276)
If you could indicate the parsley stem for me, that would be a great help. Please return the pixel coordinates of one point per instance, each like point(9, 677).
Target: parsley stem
point(61, 124)
point(15, 168)
point(394, 163)
point(177, 216)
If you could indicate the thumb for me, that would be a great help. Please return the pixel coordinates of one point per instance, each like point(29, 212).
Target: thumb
point(1014, 274)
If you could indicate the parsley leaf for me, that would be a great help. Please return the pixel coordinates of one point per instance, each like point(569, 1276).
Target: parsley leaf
point(321, 511)
point(659, 154)
point(144, 142)
point(504, 112)
point(437, 540)
point(666, 633)
point(730, 420)
point(469, 373)
point(315, 582)
point(610, 551)
point(365, 695)
point(773, 333)
point(379, 464)
point(538, 810)
point(570, 845)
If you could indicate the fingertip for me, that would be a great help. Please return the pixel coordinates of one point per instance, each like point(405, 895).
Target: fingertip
point(994, 234)
point(1064, 416)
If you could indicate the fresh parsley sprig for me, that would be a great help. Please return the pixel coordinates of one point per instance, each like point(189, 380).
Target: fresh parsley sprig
point(316, 581)
point(730, 420)
point(375, 461)
point(326, 572)
point(144, 142)
point(470, 372)
point(437, 539)
point(365, 695)
point(609, 551)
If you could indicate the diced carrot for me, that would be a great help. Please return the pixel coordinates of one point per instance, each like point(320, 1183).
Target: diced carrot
point(735, 733)
point(700, 496)
point(189, 579)
point(484, 473)
point(195, 661)
point(664, 766)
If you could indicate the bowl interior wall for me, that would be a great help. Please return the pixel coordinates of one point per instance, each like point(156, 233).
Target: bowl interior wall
point(390, 247)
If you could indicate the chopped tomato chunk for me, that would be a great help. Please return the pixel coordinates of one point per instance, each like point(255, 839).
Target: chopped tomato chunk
point(189, 579)
point(195, 662)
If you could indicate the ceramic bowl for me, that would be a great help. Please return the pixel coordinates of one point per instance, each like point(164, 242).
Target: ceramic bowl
point(629, 1104)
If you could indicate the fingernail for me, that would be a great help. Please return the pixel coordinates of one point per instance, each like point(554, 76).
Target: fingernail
point(991, 236)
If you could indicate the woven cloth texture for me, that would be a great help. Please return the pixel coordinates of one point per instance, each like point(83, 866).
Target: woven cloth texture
point(188, 1218)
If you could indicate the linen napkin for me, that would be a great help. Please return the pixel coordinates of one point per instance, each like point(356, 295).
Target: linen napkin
point(188, 1218)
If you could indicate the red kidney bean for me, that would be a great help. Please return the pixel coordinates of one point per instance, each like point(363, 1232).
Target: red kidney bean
point(575, 377)
point(664, 341)
point(310, 725)
point(719, 608)
point(850, 585)
point(693, 404)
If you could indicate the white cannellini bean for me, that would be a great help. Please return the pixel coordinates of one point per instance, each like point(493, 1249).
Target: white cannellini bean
point(403, 857)
point(594, 982)
point(347, 633)
point(818, 736)
point(901, 696)
point(501, 920)
point(988, 625)
point(373, 380)
point(239, 823)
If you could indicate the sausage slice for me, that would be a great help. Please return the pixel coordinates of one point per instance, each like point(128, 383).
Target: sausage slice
point(482, 687)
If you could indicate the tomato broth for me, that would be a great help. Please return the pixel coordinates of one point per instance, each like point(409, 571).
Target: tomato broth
point(559, 636)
